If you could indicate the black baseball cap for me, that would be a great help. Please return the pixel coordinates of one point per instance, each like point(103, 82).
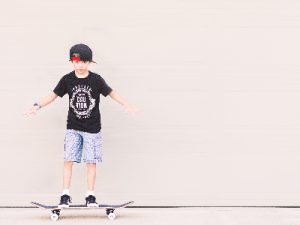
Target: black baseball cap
point(81, 52)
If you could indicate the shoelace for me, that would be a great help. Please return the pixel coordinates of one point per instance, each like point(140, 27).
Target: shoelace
point(66, 198)
point(91, 199)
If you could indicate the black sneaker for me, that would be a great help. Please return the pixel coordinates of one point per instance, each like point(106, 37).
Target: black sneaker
point(65, 201)
point(91, 201)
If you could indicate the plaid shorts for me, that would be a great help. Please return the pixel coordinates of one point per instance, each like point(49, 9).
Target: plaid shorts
point(80, 144)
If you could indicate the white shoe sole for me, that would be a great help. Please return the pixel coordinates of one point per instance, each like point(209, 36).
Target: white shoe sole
point(92, 205)
point(63, 206)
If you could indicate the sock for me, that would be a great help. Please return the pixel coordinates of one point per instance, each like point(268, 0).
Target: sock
point(90, 193)
point(66, 192)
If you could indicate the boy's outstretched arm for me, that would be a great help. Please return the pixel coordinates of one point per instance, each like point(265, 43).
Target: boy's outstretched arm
point(42, 103)
point(115, 96)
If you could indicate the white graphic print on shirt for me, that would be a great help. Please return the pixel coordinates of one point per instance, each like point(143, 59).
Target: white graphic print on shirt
point(82, 101)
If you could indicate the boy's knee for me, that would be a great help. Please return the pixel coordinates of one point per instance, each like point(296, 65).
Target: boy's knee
point(91, 166)
point(68, 163)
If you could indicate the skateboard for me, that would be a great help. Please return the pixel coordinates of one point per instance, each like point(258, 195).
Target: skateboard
point(56, 210)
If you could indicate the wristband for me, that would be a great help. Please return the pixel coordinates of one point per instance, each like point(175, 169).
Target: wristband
point(36, 104)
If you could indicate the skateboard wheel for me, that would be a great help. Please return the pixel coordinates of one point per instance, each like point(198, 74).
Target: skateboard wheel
point(111, 216)
point(54, 217)
point(108, 211)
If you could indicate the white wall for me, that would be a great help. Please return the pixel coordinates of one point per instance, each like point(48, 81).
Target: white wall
point(217, 81)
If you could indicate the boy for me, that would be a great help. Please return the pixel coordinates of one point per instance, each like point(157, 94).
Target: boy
point(83, 135)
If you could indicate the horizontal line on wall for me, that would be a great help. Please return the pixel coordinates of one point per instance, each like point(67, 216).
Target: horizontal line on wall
point(171, 206)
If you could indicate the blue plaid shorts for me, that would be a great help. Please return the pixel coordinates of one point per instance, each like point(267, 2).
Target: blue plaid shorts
point(82, 145)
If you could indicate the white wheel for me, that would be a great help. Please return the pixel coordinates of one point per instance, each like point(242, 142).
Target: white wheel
point(111, 216)
point(54, 217)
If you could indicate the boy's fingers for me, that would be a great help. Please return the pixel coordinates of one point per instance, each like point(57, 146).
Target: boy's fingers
point(28, 113)
point(136, 110)
point(25, 113)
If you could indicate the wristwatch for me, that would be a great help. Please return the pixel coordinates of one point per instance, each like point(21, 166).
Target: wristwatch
point(36, 104)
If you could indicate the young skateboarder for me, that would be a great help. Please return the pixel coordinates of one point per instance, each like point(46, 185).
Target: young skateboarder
point(83, 135)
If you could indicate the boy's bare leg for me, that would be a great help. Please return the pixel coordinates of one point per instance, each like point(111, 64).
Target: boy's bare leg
point(67, 174)
point(91, 176)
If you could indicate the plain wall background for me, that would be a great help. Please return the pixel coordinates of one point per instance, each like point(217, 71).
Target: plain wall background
point(217, 81)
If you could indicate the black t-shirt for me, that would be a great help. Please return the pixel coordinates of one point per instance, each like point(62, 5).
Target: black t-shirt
point(84, 98)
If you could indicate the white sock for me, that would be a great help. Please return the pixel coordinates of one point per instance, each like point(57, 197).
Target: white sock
point(90, 193)
point(66, 192)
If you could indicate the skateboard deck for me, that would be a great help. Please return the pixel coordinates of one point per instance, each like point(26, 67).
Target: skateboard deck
point(56, 210)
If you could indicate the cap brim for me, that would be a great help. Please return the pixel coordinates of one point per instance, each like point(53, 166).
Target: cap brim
point(79, 60)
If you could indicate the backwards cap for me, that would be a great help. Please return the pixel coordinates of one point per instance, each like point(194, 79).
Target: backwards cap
point(81, 52)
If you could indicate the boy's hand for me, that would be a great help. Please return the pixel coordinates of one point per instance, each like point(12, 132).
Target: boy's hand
point(32, 111)
point(132, 110)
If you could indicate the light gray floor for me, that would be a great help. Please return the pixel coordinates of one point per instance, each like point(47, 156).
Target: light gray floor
point(130, 216)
